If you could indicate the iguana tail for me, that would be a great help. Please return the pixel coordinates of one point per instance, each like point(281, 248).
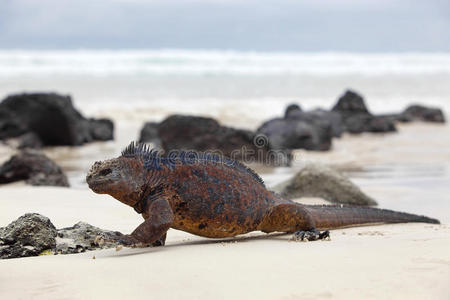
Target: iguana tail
point(335, 216)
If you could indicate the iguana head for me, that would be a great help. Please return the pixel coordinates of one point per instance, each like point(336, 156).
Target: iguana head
point(130, 177)
point(122, 177)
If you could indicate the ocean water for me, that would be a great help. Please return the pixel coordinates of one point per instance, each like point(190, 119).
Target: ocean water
point(409, 170)
point(229, 85)
point(185, 62)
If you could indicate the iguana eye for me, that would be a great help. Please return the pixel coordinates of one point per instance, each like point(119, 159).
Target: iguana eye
point(105, 172)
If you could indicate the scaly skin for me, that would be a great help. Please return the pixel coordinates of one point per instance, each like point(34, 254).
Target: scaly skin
point(214, 198)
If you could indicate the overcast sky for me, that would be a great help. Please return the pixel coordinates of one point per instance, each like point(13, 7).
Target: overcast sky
point(261, 25)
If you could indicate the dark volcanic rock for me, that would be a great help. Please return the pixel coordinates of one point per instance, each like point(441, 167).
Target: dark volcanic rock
point(33, 167)
point(316, 180)
point(52, 118)
point(27, 236)
point(149, 134)
point(291, 110)
point(366, 123)
point(334, 118)
point(33, 233)
point(10, 124)
point(422, 113)
point(199, 133)
point(82, 237)
point(293, 133)
point(357, 118)
point(101, 129)
point(322, 118)
point(29, 140)
point(350, 103)
point(205, 134)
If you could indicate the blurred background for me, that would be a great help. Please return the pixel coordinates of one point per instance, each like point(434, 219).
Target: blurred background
point(204, 56)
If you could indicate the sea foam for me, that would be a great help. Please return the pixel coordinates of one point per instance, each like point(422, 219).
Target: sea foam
point(202, 62)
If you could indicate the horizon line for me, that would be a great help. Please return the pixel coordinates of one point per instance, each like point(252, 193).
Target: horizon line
point(217, 50)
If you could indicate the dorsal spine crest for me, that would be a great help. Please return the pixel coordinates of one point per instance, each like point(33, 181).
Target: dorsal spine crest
point(154, 160)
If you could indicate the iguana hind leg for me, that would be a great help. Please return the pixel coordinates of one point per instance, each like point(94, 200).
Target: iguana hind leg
point(161, 241)
point(290, 218)
point(287, 217)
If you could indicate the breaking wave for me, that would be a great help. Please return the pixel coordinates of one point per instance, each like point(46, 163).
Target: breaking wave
point(202, 62)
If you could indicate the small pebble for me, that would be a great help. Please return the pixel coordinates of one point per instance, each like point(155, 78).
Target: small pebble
point(99, 240)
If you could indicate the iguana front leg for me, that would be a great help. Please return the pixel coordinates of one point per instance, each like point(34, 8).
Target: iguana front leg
point(160, 218)
point(156, 225)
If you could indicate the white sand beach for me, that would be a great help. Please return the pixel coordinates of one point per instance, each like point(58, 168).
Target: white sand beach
point(408, 261)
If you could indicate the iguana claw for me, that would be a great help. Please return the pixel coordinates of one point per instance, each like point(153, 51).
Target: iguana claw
point(310, 235)
point(123, 240)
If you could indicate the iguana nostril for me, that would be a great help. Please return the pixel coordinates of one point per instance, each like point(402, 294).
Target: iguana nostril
point(105, 172)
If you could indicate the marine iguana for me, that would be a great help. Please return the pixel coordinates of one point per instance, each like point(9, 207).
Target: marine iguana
point(215, 197)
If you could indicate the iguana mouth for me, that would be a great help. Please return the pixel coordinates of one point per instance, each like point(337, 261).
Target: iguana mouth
point(95, 184)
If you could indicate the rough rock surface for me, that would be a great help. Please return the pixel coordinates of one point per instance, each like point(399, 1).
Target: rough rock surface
point(10, 125)
point(292, 110)
point(33, 167)
point(82, 237)
point(422, 113)
point(333, 118)
point(101, 129)
point(150, 134)
point(316, 180)
point(367, 123)
point(29, 140)
point(357, 118)
point(32, 233)
point(200, 133)
point(52, 118)
point(293, 133)
point(321, 118)
point(29, 235)
point(350, 103)
point(179, 132)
